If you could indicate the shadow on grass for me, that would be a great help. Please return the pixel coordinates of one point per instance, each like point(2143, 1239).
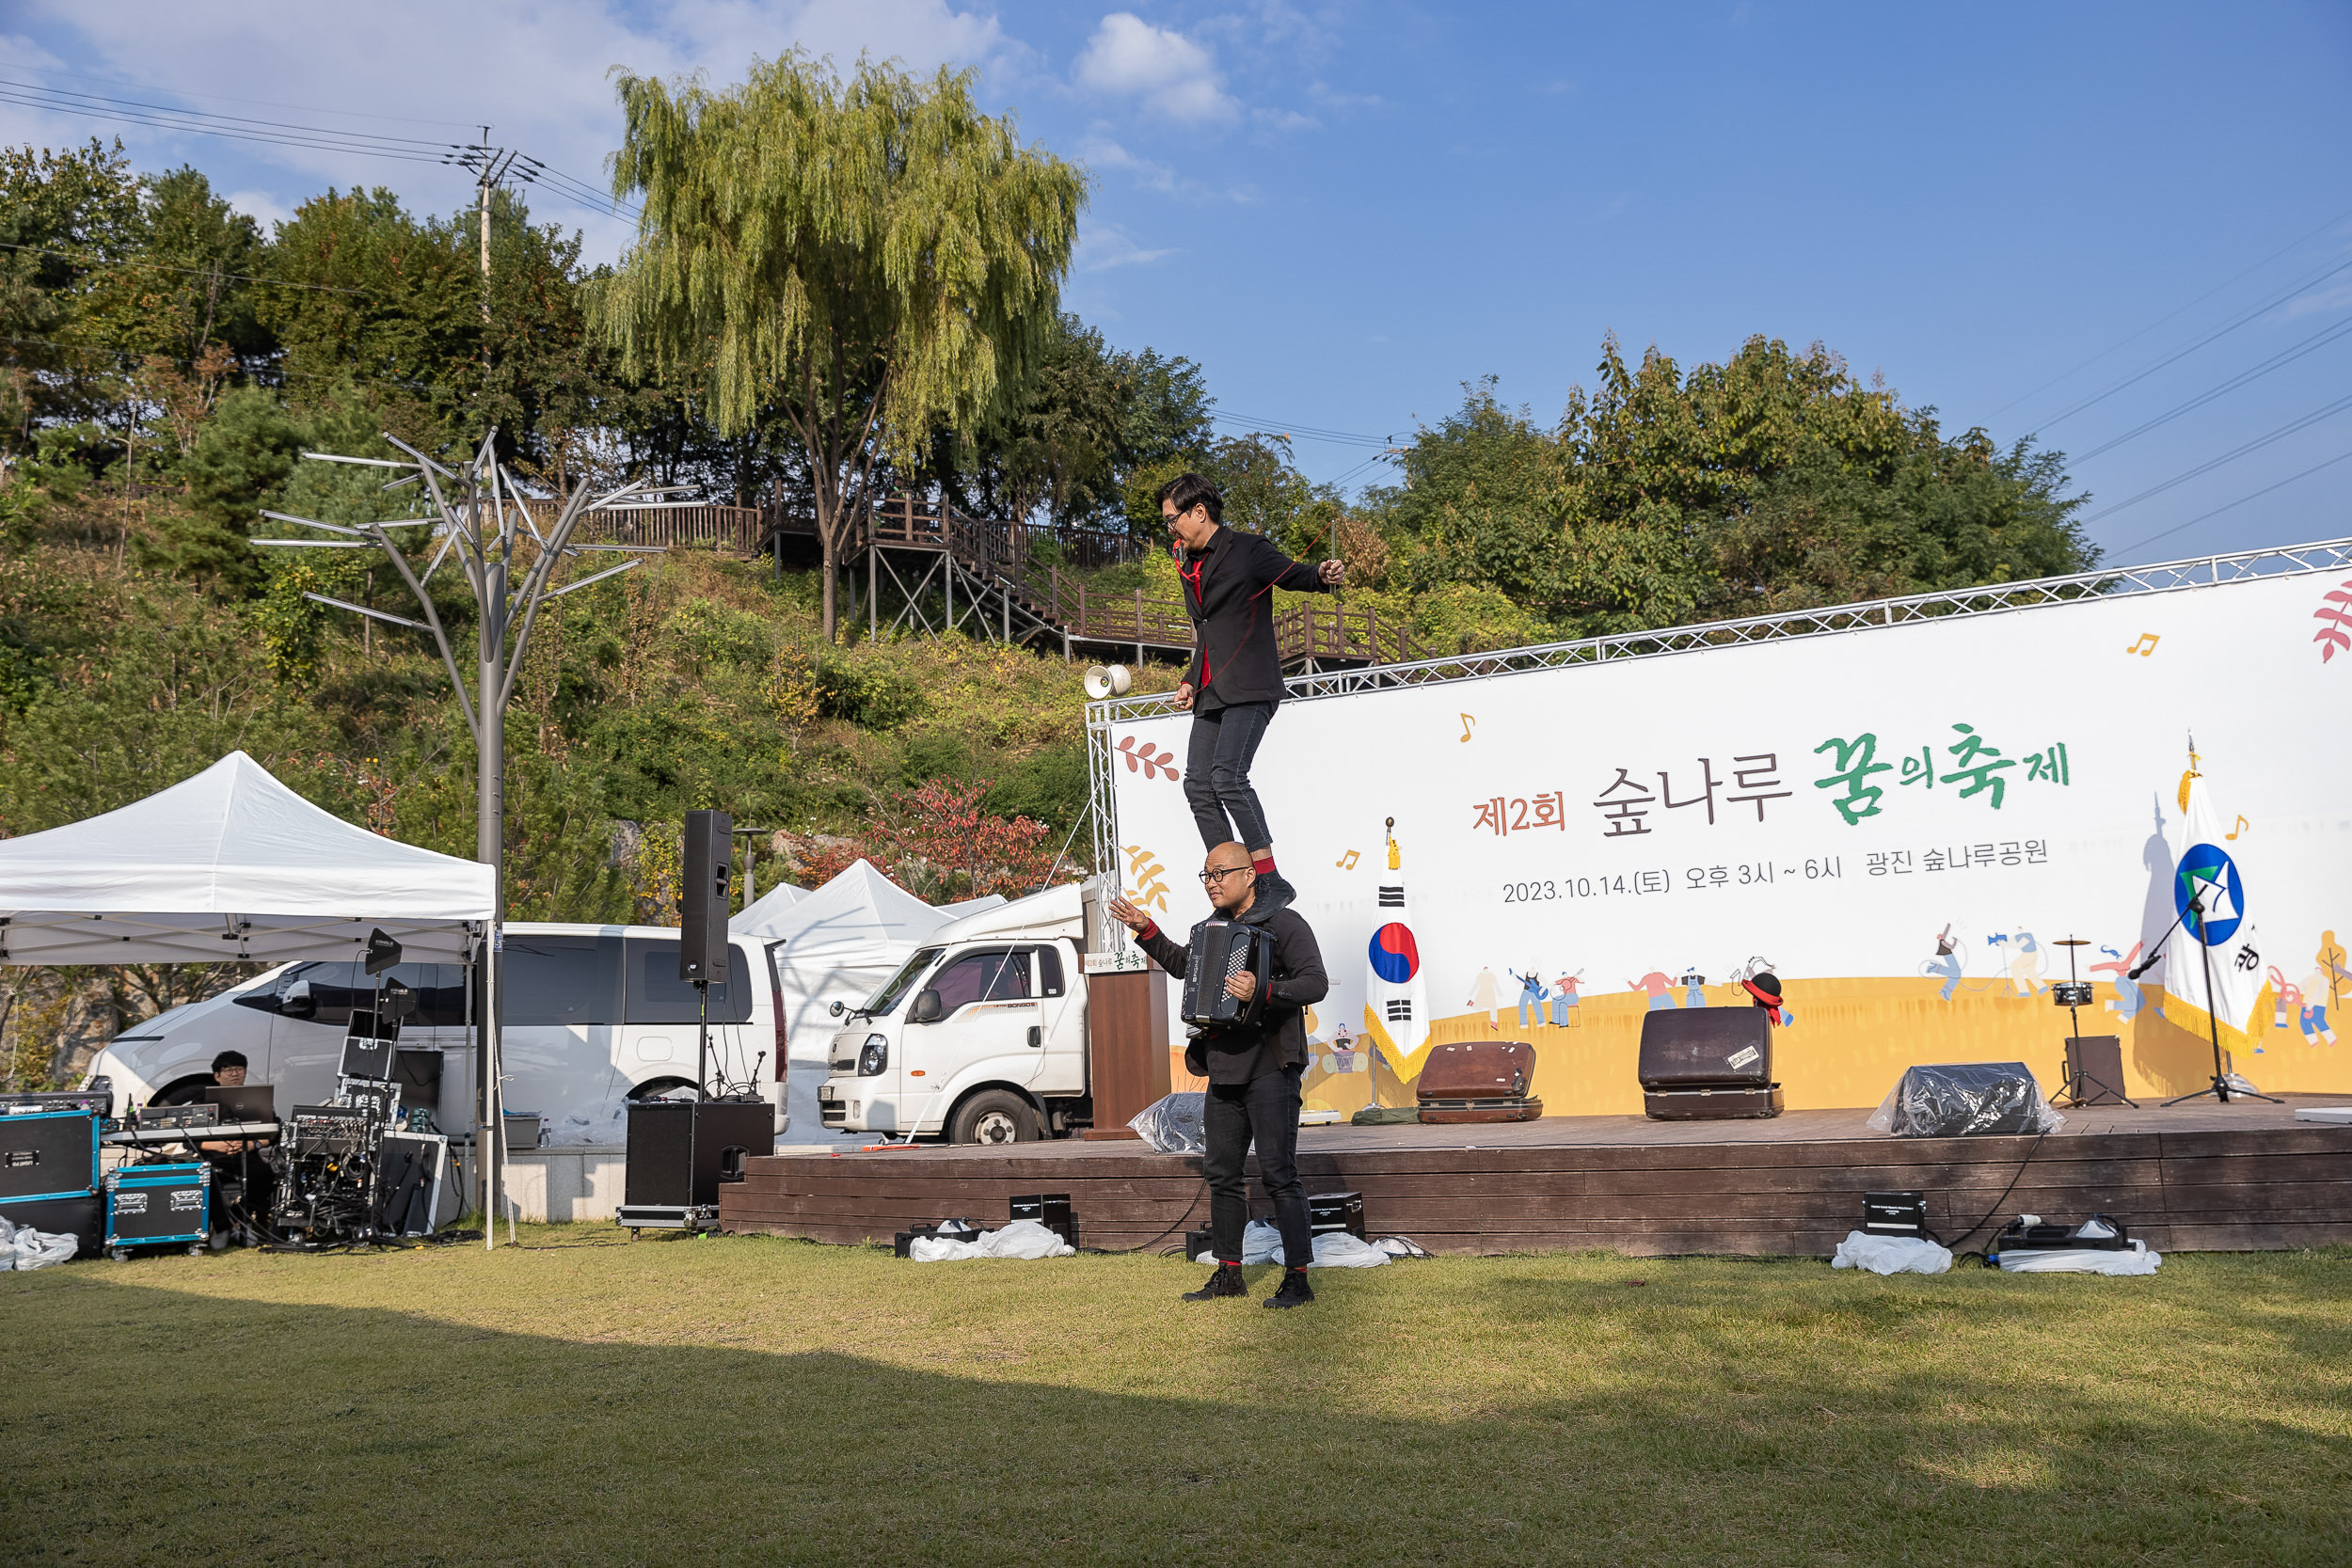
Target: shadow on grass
point(145, 1426)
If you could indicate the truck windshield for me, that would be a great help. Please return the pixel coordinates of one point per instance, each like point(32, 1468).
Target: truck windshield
point(897, 985)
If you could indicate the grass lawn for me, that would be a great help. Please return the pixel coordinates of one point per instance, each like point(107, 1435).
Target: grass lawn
point(584, 1399)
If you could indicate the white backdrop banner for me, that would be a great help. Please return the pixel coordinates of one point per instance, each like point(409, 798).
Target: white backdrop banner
point(1902, 822)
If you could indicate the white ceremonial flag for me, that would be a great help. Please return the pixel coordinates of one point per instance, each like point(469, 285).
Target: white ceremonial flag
point(2221, 939)
point(1397, 989)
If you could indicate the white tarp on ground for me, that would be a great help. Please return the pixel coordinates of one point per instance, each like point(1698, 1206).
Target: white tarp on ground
point(839, 943)
point(229, 865)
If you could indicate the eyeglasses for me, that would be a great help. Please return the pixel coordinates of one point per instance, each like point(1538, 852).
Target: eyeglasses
point(1222, 873)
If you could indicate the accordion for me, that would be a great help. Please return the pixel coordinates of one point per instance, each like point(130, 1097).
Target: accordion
point(1221, 949)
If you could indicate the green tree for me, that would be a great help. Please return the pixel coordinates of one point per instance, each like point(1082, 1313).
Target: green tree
point(874, 257)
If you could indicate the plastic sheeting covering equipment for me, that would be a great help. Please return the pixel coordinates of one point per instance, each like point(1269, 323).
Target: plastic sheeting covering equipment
point(1891, 1254)
point(1954, 1100)
point(1262, 1243)
point(1021, 1239)
point(2137, 1261)
point(1174, 1123)
point(23, 1247)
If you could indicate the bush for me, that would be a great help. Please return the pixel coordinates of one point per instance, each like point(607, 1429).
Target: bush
point(866, 695)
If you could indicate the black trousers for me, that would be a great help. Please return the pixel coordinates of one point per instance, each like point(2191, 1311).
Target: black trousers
point(1217, 774)
point(1267, 1106)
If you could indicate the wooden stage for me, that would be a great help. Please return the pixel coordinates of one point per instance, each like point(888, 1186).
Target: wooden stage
point(2198, 1178)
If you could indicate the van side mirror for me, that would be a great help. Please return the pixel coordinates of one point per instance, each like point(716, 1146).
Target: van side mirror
point(298, 1002)
point(835, 1008)
point(926, 1008)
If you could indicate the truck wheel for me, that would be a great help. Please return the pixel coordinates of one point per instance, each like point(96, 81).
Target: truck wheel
point(996, 1116)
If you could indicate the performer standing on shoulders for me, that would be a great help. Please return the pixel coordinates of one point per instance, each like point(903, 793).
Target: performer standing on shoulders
point(1254, 1075)
point(1235, 677)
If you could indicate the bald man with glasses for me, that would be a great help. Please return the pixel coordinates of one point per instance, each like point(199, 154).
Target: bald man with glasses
point(1254, 1074)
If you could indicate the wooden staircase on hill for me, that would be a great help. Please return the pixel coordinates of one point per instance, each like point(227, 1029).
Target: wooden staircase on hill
point(1021, 583)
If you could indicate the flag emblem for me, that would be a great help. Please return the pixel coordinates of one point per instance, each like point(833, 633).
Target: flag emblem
point(2208, 871)
point(1394, 956)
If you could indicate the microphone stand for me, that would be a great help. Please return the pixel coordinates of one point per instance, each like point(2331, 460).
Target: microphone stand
point(2220, 1089)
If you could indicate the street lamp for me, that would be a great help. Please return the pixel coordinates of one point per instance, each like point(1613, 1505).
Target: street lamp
point(480, 515)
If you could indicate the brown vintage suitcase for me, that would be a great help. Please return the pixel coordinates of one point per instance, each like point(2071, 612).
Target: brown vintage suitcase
point(1478, 1070)
point(1724, 1104)
point(1438, 1113)
point(1688, 1048)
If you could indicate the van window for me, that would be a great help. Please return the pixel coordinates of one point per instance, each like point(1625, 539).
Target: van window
point(336, 988)
point(657, 995)
point(565, 980)
point(998, 976)
point(1049, 971)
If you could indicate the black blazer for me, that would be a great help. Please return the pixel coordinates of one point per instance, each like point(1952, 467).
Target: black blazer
point(1278, 1040)
point(1229, 593)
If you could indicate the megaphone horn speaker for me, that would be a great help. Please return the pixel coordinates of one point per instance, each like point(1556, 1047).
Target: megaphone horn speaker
point(1109, 680)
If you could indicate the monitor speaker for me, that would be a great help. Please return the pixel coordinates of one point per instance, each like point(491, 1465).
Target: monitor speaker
point(722, 1134)
point(47, 1154)
point(703, 902)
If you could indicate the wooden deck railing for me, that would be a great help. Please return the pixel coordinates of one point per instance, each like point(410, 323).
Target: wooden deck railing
point(730, 527)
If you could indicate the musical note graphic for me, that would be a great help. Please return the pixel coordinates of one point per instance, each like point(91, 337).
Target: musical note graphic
point(2242, 826)
point(1347, 861)
point(2146, 646)
point(1467, 722)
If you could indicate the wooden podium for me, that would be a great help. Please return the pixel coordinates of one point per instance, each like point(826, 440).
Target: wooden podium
point(1126, 1046)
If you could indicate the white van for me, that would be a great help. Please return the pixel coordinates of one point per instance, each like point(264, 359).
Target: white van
point(979, 1037)
point(594, 1015)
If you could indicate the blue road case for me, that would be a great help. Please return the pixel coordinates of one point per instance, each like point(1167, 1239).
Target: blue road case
point(158, 1206)
point(47, 1154)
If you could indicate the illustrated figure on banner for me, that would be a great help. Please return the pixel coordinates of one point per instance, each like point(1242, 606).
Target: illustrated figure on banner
point(1661, 987)
point(1565, 1008)
point(1487, 997)
point(2307, 1003)
point(1531, 995)
point(1694, 991)
point(2024, 959)
point(2129, 997)
point(1947, 962)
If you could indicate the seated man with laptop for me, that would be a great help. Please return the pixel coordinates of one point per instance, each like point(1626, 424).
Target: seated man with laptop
point(241, 1178)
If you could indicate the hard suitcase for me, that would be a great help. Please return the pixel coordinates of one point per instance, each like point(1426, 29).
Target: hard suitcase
point(1440, 1113)
point(1478, 1070)
point(1712, 1104)
point(1706, 1047)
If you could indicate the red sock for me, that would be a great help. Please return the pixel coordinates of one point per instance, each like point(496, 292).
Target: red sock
point(1263, 864)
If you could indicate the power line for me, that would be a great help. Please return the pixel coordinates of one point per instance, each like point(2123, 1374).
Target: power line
point(2151, 369)
point(2240, 501)
point(222, 98)
point(2287, 356)
point(1308, 433)
point(2170, 314)
point(2305, 422)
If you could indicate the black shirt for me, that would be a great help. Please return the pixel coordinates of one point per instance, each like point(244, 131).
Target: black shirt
point(1229, 593)
point(1279, 1038)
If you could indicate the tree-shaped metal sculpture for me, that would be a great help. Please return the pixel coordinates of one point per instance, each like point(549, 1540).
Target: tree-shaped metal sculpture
point(479, 516)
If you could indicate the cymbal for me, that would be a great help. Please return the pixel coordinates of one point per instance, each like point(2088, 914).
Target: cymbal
point(2070, 942)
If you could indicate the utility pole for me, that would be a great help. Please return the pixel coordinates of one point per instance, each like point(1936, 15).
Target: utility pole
point(478, 515)
point(489, 165)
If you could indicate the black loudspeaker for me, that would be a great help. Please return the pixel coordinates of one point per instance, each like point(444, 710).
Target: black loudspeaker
point(47, 1154)
point(1050, 1210)
point(1706, 1048)
point(723, 1134)
point(702, 899)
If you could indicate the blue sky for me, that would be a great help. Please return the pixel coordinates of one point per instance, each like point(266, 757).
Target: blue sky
point(1344, 212)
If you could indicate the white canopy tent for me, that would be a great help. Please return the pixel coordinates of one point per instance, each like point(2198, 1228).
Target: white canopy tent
point(230, 865)
point(765, 909)
point(837, 943)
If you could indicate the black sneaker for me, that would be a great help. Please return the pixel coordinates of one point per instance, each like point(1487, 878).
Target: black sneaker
point(1295, 1292)
point(1226, 1281)
point(1274, 892)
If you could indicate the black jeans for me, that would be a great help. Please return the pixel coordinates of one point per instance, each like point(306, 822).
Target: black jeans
point(1267, 1107)
point(1217, 774)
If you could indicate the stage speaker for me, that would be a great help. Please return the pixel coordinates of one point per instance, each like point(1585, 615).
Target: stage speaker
point(83, 1218)
point(47, 1154)
point(722, 1135)
point(1958, 1099)
point(2094, 1070)
point(701, 900)
point(1690, 1048)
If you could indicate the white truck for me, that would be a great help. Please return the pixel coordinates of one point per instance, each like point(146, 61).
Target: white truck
point(981, 1035)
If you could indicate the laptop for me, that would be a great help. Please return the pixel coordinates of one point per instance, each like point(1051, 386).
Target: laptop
point(245, 1103)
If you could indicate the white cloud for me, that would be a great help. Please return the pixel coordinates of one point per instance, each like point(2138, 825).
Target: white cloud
point(1106, 246)
point(1101, 152)
point(1160, 73)
point(260, 206)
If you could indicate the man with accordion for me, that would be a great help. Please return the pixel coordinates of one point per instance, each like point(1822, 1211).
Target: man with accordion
point(1250, 972)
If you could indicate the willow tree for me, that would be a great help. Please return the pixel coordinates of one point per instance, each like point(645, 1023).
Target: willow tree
point(872, 258)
